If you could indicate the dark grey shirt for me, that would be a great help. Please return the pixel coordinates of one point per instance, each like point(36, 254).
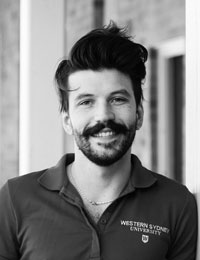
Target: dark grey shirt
point(42, 217)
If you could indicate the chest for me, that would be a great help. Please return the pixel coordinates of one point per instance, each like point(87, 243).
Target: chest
point(63, 231)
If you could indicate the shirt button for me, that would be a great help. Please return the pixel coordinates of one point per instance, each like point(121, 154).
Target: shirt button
point(103, 221)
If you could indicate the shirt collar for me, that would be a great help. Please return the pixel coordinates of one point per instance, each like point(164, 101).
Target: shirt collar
point(141, 177)
point(55, 177)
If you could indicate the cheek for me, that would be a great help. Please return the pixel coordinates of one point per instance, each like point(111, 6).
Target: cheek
point(78, 124)
point(128, 115)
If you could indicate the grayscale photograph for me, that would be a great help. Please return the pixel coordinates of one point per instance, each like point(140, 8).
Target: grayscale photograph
point(99, 129)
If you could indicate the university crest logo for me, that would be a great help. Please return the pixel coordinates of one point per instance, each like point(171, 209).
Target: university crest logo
point(145, 238)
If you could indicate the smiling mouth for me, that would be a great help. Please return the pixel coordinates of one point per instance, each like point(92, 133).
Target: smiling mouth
point(105, 134)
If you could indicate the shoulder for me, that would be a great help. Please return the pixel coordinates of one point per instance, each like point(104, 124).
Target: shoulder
point(32, 184)
point(179, 205)
point(170, 193)
point(169, 186)
point(157, 184)
point(25, 180)
point(21, 186)
point(174, 201)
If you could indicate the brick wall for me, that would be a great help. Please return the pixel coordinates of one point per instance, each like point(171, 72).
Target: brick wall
point(9, 89)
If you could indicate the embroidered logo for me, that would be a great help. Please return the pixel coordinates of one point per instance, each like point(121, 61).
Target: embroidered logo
point(145, 228)
point(145, 239)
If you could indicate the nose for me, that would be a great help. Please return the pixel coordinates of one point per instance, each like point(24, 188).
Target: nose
point(104, 112)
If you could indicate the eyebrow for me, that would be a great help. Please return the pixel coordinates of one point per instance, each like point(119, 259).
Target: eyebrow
point(87, 95)
point(121, 91)
point(84, 95)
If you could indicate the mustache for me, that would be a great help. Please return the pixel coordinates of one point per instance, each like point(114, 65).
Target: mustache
point(115, 127)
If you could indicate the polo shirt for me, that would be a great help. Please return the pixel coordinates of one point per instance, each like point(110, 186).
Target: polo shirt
point(42, 217)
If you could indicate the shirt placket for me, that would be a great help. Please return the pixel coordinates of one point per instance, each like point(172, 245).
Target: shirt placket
point(71, 197)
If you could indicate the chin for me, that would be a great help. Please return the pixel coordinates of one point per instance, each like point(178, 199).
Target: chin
point(105, 153)
point(106, 158)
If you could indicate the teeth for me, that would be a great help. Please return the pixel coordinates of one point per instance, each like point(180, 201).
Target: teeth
point(104, 134)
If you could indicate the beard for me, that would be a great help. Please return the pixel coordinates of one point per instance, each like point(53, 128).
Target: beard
point(105, 153)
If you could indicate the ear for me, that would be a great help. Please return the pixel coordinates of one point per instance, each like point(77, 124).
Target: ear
point(67, 123)
point(139, 116)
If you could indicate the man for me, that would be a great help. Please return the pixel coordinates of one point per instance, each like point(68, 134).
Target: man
point(99, 203)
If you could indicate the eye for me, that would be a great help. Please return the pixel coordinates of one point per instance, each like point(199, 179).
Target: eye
point(86, 103)
point(118, 100)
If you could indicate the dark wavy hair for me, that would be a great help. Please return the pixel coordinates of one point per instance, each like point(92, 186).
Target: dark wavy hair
point(106, 48)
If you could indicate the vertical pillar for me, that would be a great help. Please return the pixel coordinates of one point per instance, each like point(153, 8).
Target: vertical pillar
point(41, 48)
point(193, 99)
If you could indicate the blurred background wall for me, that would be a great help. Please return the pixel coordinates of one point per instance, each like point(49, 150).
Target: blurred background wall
point(9, 89)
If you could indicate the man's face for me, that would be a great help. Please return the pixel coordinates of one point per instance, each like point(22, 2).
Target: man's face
point(102, 114)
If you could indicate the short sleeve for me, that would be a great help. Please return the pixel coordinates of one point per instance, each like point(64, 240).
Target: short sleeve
point(8, 238)
point(185, 233)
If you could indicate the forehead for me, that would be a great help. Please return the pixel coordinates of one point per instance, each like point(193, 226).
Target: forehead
point(99, 82)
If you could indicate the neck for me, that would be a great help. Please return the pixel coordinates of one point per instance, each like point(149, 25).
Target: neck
point(105, 183)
